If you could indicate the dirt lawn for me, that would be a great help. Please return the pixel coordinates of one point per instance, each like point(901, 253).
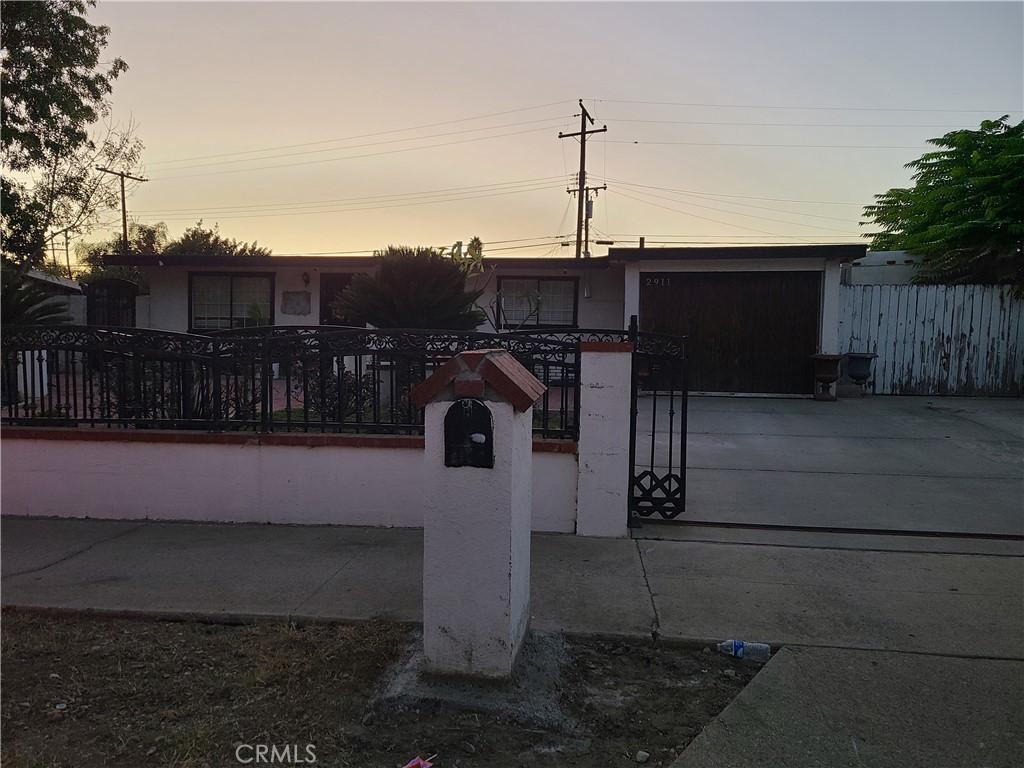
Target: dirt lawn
point(85, 691)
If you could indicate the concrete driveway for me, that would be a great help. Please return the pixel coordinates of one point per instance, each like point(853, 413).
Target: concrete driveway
point(904, 463)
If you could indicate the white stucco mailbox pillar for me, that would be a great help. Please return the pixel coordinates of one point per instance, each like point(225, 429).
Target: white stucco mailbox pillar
point(602, 492)
point(478, 424)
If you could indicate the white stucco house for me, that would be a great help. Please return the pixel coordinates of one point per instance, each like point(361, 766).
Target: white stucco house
point(753, 314)
point(882, 268)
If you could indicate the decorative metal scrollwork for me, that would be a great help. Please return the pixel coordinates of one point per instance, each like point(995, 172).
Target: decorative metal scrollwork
point(323, 378)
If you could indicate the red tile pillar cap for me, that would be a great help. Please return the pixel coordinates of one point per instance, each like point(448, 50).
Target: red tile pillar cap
point(470, 373)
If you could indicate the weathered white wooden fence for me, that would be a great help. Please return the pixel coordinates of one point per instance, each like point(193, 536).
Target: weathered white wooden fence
point(936, 339)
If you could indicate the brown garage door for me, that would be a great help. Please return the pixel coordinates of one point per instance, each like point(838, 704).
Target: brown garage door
point(748, 331)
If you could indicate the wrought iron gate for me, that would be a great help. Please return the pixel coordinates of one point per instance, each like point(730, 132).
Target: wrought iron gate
point(657, 441)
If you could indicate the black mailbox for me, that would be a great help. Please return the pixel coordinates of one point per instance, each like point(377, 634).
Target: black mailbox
point(468, 435)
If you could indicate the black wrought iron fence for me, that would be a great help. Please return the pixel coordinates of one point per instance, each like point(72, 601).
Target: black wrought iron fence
point(658, 417)
point(292, 379)
point(658, 433)
point(574, 334)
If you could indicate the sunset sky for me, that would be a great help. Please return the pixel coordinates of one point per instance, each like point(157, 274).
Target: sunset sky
point(302, 126)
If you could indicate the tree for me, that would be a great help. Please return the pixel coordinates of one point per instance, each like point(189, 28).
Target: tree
point(54, 90)
point(24, 236)
point(470, 259)
point(412, 288)
point(143, 239)
point(197, 241)
point(151, 240)
point(22, 302)
point(965, 212)
point(73, 194)
point(475, 248)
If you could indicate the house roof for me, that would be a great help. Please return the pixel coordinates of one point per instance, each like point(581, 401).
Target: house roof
point(549, 262)
point(61, 283)
point(202, 260)
point(331, 262)
point(844, 252)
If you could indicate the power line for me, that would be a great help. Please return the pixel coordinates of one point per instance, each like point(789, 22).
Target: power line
point(714, 239)
point(602, 235)
point(364, 198)
point(400, 204)
point(371, 251)
point(357, 206)
point(724, 239)
point(845, 220)
point(772, 146)
point(488, 249)
point(524, 239)
point(517, 247)
point(734, 213)
point(781, 125)
point(692, 215)
point(365, 251)
point(353, 157)
point(802, 108)
point(561, 224)
point(366, 135)
point(744, 197)
point(550, 121)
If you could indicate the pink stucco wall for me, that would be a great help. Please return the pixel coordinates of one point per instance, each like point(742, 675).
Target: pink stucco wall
point(245, 481)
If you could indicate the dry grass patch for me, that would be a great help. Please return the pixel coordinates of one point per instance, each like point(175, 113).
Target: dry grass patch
point(91, 691)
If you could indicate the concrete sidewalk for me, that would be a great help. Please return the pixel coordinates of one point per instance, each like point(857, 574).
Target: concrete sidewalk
point(953, 604)
point(893, 705)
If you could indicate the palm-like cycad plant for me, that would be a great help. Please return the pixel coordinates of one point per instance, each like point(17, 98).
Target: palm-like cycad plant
point(412, 288)
point(22, 302)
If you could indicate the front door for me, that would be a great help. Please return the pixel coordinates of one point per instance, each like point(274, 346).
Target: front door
point(111, 302)
point(331, 286)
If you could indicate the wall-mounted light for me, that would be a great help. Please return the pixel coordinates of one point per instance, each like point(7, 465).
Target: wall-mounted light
point(305, 279)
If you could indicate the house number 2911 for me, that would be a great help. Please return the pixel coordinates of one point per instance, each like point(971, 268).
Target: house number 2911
point(658, 282)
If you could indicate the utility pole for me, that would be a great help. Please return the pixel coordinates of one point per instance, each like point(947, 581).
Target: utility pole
point(587, 213)
point(582, 185)
point(124, 209)
point(67, 255)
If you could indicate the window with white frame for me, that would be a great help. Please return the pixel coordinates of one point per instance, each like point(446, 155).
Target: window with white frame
point(537, 301)
point(231, 301)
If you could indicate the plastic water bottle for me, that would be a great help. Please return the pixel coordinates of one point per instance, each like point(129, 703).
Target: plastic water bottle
point(742, 650)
